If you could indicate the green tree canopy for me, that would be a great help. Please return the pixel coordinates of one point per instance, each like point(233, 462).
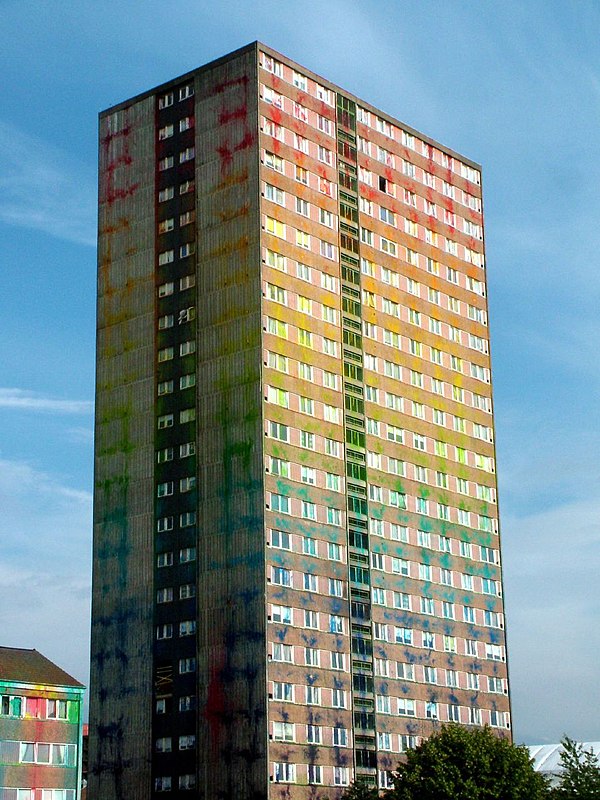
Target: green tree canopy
point(580, 778)
point(360, 790)
point(463, 764)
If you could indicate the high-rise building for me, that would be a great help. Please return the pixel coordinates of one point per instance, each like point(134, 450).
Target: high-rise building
point(296, 554)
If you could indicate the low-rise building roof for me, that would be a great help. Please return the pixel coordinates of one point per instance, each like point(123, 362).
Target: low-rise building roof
point(28, 666)
point(546, 757)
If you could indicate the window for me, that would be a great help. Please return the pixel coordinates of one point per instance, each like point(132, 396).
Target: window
point(275, 227)
point(494, 652)
point(187, 627)
point(187, 665)
point(378, 597)
point(163, 745)
point(406, 707)
point(187, 381)
point(325, 155)
point(280, 503)
point(274, 194)
point(278, 396)
point(274, 162)
point(281, 576)
point(187, 348)
point(187, 554)
point(187, 591)
point(334, 551)
point(164, 524)
point(427, 605)
point(334, 516)
point(400, 567)
point(165, 421)
point(164, 595)
point(402, 600)
point(387, 246)
point(279, 431)
point(283, 652)
point(403, 635)
point(466, 582)
point(283, 692)
point(336, 587)
point(311, 619)
point(395, 434)
point(416, 379)
point(187, 155)
point(186, 218)
point(164, 455)
point(310, 582)
point(340, 737)
point(164, 559)
point(329, 346)
point(164, 489)
point(332, 447)
point(383, 704)
point(277, 361)
point(165, 354)
point(314, 734)
point(397, 499)
point(284, 772)
point(307, 440)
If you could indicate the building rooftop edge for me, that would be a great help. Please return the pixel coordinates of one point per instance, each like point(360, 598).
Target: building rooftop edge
point(29, 666)
point(258, 45)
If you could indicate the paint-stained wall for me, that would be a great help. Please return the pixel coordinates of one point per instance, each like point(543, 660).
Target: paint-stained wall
point(231, 616)
point(122, 591)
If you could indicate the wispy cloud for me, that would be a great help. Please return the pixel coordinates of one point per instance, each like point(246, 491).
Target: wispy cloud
point(42, 188)
point(551, 563)
point(45, 531)
point(25, 400)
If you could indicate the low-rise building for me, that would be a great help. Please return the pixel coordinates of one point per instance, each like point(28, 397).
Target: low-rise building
point(41, 725)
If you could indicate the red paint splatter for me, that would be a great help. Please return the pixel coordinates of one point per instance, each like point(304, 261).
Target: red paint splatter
point(226, 156)
point(110, 136)
point(123, 159)
point(226, 116)
point(215, 706)
point(369, 193)
point(246, 142)
point(243, 81)
point(120, 194)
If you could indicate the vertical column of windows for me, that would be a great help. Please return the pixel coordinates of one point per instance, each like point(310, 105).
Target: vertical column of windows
point(175, 534)
point(363, 695)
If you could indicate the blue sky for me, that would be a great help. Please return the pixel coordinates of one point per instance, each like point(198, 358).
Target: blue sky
point(515, 86)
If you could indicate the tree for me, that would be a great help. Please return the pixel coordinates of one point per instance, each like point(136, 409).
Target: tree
point(463, 764)
point(580, 778)
point(360, 790)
